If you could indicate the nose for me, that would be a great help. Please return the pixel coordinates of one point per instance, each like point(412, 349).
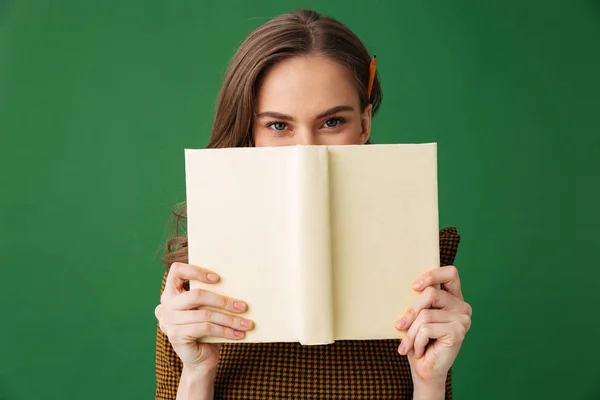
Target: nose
point(306, 137)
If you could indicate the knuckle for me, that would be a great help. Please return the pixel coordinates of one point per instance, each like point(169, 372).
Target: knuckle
point(199, 296)
point(453, 271)
point(165, 319)
point(231, 320)
point(229, 333)
point(431, 294)
point(224, 302)
point(174, 333)
point(214, 330)
point(421, 317)
point(461, 331)
point(467, 324)
point(206, 315)
point(411, 333)
point(428, 278)
point(206, 328)
point(425, 330)
point(161, 319)
point(426, 316)
point(175, 268)
point(468, 309)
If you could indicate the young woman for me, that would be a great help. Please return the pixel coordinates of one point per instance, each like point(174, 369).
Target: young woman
point(302, 78)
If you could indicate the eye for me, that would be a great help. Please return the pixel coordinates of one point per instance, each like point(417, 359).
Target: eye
point(277, 126)
point(333, 122)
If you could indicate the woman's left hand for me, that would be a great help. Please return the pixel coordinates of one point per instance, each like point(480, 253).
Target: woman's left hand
point(435, 326)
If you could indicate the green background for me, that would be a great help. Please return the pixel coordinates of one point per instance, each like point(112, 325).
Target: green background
point(99, 99)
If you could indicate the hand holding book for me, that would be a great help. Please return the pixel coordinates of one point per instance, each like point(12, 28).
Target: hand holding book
point(435, 326)
point(187, 317)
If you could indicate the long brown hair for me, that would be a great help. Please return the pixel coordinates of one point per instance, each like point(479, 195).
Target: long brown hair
point(288, 35)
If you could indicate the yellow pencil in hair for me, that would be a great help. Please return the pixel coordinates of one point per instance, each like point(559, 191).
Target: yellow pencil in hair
point(372, 69)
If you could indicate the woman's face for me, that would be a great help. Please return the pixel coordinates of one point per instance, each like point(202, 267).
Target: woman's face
point(309, 100)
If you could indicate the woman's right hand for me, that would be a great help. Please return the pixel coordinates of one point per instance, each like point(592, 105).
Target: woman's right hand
point(183, 318)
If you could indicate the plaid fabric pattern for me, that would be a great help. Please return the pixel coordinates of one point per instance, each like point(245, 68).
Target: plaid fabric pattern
point(369, 369)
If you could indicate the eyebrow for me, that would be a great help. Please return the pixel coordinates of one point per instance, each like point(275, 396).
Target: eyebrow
point(324, 114)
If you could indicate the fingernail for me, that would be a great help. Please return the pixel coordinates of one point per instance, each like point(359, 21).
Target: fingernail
point(245, 323)
point(239, 305)
point(402, 348)
point(212, 277)
point(238, 334)
point(401, 324)
point(418, 285)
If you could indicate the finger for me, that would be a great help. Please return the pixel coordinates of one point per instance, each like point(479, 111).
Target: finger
point(451, 333)
point(430, 298)
point(437, 298)
point(199, 298)
point(179, 273)
point(196, 316)
point(447, 276)
point(424, 335)
point(427, 317)
point(193, 332)
point(159, 317)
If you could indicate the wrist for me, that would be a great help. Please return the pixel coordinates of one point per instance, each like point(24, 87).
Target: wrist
point(200, 372)
point(197, 384)
point(430, 390)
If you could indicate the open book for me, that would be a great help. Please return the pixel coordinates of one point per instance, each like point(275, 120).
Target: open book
point(322, 242)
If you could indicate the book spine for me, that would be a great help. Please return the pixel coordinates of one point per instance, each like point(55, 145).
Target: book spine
point(312, 258)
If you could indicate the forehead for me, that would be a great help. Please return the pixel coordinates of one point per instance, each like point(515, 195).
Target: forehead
point(306, 85)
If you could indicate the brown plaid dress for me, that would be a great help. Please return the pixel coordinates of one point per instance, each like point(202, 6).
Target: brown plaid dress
point(369, 369)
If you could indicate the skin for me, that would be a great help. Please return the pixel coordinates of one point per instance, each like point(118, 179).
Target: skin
point(311, 100)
